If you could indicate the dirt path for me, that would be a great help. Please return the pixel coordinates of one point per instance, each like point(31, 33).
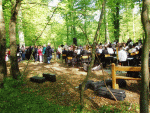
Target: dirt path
point(68, 79)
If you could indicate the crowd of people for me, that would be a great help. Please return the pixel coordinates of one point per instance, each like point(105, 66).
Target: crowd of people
point(126, 53)
point(36, 53)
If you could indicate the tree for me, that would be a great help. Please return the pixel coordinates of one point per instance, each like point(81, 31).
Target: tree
point(144, 94)
point(116, 19)
point(93, 55)
point(3, 67)
point(20, 29)
point(12, 33)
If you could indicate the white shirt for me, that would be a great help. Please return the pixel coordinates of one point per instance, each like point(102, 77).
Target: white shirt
point(60, 50)
point(137, 47)
point(122, 55)
point(78, 51)
point(125, 48)
point(100, 51)
point(110, 51)
point(133, 50)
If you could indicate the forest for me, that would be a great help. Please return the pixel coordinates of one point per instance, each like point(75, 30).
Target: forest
point(121, 21)
point(59, 22)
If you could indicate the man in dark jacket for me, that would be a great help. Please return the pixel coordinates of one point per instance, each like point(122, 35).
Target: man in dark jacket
point(105, 51)
point(29, 52)
point(104, 60)
point(35, 53)
point(49, 53)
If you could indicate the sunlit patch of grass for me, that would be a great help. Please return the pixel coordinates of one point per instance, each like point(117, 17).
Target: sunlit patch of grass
point(121, 107)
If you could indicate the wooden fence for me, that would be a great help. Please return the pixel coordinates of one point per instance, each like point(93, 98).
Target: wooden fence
point(122, 68)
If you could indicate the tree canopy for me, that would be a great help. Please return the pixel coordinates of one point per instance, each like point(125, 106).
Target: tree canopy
point(70, 17)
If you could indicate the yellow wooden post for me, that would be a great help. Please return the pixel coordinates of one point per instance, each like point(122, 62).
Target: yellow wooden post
point(113, 76)
point(117, 53)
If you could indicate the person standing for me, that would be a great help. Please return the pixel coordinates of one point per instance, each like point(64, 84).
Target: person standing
point(18, 53)
point(6, 55)
point(44, 53)
point(59, 52)
point(29, 52)
point(23, 52)
point(49, 53)
point(40, 54)
point(35, 53)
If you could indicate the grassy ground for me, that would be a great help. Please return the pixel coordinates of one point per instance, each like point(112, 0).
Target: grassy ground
point(15, 98)
point(14, 101)
point(23, 96)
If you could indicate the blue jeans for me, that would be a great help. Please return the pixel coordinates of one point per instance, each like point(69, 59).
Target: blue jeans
point(35, 57)
point(48, 59)
point(23, 56)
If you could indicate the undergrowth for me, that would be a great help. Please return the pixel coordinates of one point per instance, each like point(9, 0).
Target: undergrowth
point(13, 100)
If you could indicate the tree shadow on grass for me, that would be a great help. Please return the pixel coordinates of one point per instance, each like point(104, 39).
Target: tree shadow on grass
point(63, 91)
point(60, 91)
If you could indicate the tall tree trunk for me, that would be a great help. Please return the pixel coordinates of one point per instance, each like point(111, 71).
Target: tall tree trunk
point(3, 68)
point(20, 32)
point(107, 32)
point(105, 27)
point(85, 21)
point(72, 36)
point(133, 26)
point(93, 56)
point(74, 28)
point(128, 34)
point(12, 33)
point(67, 28)
point(116, 21)
point(144, 94)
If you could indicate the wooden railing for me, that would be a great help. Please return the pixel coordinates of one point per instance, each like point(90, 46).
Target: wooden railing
point(122, 68)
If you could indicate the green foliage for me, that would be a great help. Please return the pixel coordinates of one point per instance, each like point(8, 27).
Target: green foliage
point(16, 102)
point(79, 12)
point(7, 15)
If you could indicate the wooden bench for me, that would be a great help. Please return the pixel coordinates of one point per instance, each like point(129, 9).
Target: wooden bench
point(122, 68)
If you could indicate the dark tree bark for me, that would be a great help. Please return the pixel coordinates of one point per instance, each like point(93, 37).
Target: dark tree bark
point(12, 33)
point(85, 19)
point(93, 56)
point(74, 27)
point(105, 27)
point(116, 21)
point(144, 94)
point(67, 28)
point(3, 68)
